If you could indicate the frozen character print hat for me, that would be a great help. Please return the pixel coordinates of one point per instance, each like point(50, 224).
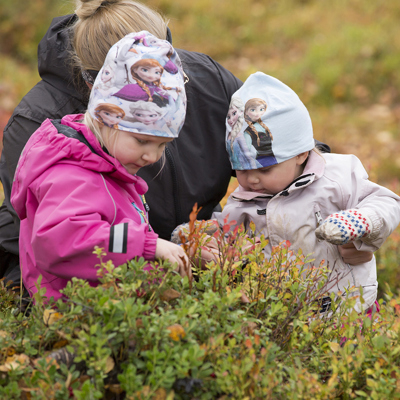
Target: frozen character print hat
point(140, 87)
point(266, 124)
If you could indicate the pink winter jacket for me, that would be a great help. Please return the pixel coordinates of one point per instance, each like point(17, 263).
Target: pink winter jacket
point(329, 183)
point(70, 200)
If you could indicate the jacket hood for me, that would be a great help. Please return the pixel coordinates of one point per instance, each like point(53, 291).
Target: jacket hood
point(54, 55)
point(47, 147)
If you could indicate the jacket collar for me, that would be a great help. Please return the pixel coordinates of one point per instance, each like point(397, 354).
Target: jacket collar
point(109, 164)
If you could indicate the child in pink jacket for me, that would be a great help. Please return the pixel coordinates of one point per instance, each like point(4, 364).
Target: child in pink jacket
point(316, 201)
point(76, 185)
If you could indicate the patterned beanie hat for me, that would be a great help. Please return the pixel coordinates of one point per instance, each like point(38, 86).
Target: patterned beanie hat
point(266, 124)
point(140, 87)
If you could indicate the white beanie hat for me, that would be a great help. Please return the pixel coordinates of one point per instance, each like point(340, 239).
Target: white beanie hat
point(266, 124)
point(140, 87)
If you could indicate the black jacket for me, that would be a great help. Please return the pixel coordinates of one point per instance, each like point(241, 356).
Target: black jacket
point(196, 168)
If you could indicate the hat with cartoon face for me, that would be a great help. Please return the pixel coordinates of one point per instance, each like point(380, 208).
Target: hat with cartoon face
point(266, 124)
point(140, 87)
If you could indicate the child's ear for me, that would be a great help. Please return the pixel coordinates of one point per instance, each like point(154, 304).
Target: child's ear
point(300, 158)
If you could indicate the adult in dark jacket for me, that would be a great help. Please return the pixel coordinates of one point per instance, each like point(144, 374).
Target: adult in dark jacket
point(197, 167)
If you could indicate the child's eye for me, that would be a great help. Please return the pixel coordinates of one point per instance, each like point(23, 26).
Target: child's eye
point(264, 170)
point(141, 141)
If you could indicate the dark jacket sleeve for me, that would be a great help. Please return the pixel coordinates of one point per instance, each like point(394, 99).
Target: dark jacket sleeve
point(17, 132)
point(18, 129)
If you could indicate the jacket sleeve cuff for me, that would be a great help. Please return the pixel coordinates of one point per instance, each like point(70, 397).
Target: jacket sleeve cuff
point(369, 243)
point(376, 225)
point(150, 245)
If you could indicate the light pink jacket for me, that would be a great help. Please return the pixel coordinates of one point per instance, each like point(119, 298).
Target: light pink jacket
point(70, 200)
point(328, 184)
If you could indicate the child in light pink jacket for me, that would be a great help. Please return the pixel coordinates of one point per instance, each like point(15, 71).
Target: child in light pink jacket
point(316, 201)
point(76, 185)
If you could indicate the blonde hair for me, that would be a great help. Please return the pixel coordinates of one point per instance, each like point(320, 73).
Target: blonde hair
point(319, 152)
point(251, 103)
point(98, 130)
point(102, 23)
point(96, 127)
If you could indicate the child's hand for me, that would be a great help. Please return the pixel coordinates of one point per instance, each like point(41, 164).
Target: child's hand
point(353, 256)
point(344, 227)
point(175, 254)
point(182, 231)
point(209, 252)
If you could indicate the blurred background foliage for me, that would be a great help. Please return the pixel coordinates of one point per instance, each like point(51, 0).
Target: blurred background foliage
point(342, 57)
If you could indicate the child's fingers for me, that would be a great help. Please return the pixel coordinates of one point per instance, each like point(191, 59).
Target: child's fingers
point(184, 271)
point(209, 254)
point(212, 243)
point(184, 268)
point(353, 256)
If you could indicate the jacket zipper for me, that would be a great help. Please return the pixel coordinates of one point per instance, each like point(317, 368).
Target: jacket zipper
point(175, 187)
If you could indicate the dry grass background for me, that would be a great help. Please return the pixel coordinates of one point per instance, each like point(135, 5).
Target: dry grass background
point(341, 57)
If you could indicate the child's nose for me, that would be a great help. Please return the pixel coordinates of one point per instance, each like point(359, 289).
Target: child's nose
point(151, 156)
point(252, 178)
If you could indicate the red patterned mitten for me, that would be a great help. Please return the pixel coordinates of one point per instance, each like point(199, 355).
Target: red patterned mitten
point(344, 227)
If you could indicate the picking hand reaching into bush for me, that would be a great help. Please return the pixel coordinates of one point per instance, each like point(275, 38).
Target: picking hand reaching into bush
point(175, 254)
point(208, 237)
point(183, 234)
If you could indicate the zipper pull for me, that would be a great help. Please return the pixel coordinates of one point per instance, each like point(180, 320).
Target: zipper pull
point(146, 206)
point(319, 218)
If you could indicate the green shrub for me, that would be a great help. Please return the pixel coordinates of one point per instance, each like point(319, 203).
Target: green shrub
point(244, 328)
